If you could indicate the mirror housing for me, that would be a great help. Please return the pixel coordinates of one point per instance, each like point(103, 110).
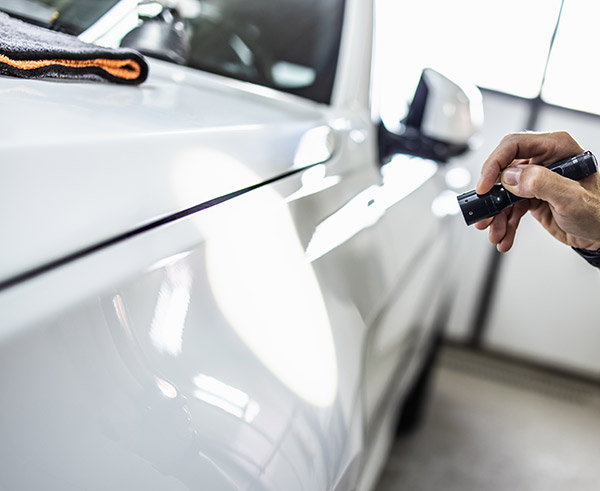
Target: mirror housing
point(442, 120)
point(163, 37)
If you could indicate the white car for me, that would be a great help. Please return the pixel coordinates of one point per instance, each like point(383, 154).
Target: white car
point(229, 277)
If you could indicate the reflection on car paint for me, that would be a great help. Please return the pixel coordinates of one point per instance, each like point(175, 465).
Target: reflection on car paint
point(314, 180)
point(172, 305)
point(316, 145)
point(171, 400)
point(283, 321)
point(401, 176)
point(228, 398)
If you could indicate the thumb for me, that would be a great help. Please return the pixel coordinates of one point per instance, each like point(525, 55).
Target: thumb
point(536, 181)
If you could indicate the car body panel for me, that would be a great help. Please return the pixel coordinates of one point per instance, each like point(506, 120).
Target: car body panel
point(147, 395)
point(133, 378)
point(96, 171)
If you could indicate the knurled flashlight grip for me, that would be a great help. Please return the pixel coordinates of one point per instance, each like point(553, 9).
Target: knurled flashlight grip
point(476, 207)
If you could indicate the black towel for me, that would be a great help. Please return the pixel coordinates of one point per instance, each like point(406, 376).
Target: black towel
point(29, 51)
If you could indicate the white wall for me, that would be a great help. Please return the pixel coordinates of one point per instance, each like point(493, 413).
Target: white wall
point(547, 303)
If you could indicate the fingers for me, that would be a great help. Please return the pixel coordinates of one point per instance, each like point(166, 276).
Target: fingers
point(535, 147)
point(512, 224)
point(503, 227)
point(483, 224)
point(498, 228)
point(536, 181)
point(512, 162)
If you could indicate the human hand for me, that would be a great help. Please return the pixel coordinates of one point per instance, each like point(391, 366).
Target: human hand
point(569, 210)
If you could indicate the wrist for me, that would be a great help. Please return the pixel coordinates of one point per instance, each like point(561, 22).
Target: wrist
point(588, 244)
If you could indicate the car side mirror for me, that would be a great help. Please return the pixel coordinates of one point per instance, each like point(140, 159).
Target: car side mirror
point(442, 120)
point(163, 37)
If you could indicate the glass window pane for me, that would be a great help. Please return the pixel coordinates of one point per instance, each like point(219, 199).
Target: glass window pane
point(572, 77)
point(284, 44)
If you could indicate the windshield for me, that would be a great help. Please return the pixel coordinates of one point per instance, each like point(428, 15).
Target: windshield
point(74, 16)
point(290, 45)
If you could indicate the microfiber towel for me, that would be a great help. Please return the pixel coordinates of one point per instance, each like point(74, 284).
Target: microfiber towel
point(29, 51)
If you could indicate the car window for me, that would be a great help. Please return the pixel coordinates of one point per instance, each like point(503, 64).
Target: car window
point(284, 44)
point(72, 16)
point(289, 45)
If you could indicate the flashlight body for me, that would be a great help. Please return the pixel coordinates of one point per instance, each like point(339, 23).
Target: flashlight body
point(476, 207)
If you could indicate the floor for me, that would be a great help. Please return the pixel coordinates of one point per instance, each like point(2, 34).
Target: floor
point(492, 425)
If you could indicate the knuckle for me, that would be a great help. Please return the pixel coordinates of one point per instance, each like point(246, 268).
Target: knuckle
point(562, 139)
point(533, 178)
point(565, 140)
point(510, 138)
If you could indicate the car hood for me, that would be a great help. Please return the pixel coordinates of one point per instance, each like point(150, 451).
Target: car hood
point(81, 163)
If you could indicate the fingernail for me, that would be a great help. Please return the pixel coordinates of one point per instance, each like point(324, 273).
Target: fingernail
point(512, 176)
point(478, 185)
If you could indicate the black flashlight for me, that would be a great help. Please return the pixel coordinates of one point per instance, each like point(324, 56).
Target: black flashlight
point(476, 207)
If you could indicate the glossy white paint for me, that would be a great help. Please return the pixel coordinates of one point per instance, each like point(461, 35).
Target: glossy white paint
point(153, 382)
point(252, 345)
point(113, 147)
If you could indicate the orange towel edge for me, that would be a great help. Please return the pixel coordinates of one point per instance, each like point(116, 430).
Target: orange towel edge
point(128, 68)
